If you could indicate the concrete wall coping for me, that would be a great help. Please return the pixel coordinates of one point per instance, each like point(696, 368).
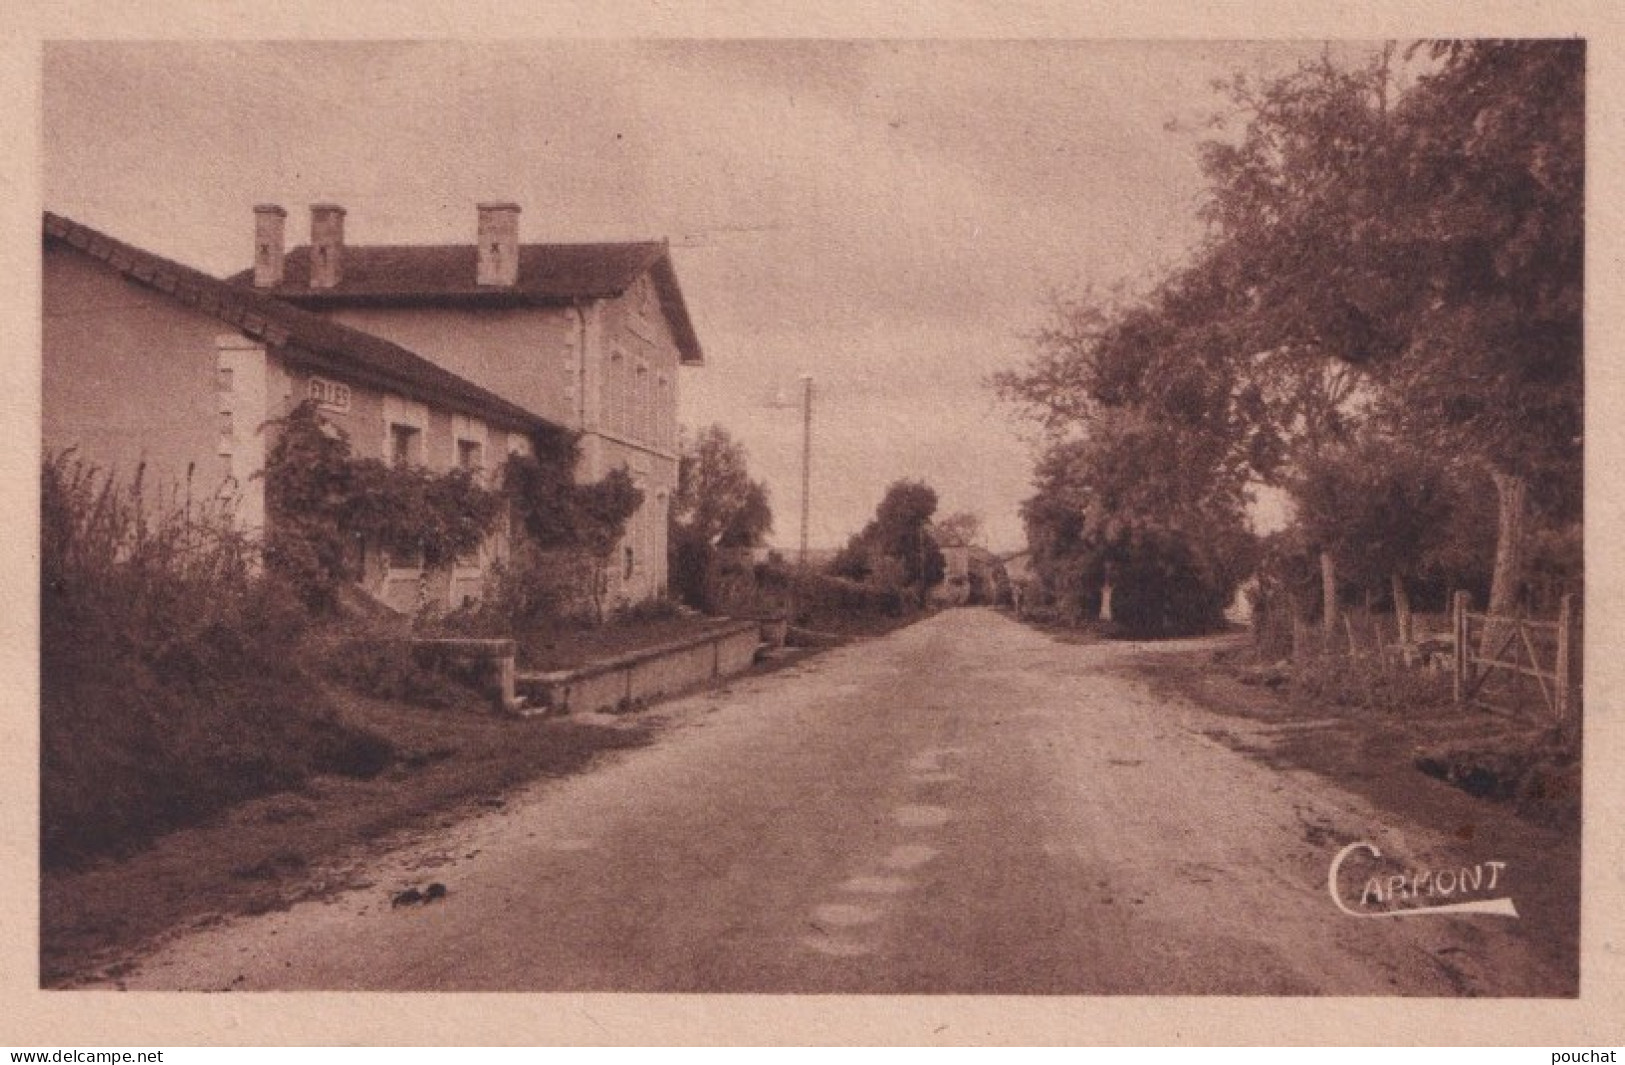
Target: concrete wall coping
point(493, 645)
point(645, 654)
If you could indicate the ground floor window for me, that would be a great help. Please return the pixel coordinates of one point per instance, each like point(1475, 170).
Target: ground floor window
point(403, 556)
point(405, 445)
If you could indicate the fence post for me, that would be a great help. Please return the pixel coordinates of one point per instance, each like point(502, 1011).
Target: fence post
point(1458, 607)
point(1565, 657)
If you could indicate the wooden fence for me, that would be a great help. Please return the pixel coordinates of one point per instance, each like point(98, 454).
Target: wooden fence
point(1497, 657)
point(1362, 634)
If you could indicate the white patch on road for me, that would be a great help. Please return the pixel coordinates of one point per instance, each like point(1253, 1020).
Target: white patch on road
point(930, 760)
point(909, 856)
point(922, 816)
point(838, 948)
point(845, 914)
point(877, 885)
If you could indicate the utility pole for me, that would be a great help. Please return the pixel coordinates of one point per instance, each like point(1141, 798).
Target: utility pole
point(806, 459)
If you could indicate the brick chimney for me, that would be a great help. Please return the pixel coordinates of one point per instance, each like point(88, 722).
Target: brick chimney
point(326, 244)
point(268, 245)
point(498, 243)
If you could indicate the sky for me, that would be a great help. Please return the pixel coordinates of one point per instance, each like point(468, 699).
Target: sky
point(893, 218)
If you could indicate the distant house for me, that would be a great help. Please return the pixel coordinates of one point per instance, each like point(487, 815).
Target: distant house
point(1022, 581)
point(971, 574)
point(586, 336)
point(150, 363)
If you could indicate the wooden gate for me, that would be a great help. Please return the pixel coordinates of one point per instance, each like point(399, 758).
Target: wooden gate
point(1495, 674)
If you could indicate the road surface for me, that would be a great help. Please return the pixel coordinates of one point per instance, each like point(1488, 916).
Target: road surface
point(964, 806)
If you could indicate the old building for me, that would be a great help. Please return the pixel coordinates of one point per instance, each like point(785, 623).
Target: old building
point(1021, 580)
point(971, 575)
point(587, 336)
point(148, 362)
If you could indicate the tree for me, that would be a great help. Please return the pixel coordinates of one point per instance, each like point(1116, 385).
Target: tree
point(1495, 138)
point(717, 502)
point(1151, 434)
point(717, 505)
point(1126, 524)
point(1285, 204)
point(577, 525)
point(1431, 240)
point(897, 543)
point(963, 528)
point(1379, 264)
point(308, 476)
point(1379, 509)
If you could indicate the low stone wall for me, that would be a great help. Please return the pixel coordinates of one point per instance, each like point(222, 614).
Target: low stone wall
point(636, 679)
point(485, 665)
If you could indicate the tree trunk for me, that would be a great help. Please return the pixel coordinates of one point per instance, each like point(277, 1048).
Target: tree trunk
point(1511, 492)
point(1402, 611)
point(1328, 595)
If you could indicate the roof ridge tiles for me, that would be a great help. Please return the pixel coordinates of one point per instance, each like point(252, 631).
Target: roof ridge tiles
point(430, 274)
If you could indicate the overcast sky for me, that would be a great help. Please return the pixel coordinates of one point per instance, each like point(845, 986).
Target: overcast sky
point(891, 218)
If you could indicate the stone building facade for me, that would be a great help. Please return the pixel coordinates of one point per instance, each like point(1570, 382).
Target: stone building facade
point(586, 336)
point(148, 364)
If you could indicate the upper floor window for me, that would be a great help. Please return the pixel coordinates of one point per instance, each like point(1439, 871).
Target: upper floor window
point(470, 455)
point(615, 388)
point(640, 397)
point(663, 414)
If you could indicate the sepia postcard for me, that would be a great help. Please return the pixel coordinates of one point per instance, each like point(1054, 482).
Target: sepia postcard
point(1022, 526)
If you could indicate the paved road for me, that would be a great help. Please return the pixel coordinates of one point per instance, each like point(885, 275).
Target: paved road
point(964, 806)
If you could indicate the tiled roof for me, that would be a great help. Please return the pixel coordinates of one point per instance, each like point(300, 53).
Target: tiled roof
point(306, 336)
point(445, 274)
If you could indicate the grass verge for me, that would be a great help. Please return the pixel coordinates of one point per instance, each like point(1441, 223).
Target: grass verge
point(1377, 755)
point(268, 852)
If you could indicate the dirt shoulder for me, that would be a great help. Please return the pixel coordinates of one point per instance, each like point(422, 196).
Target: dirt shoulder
point(1375, 754)
point(268, 853)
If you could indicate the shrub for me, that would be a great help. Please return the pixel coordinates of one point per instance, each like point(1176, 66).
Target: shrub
point(170, 682)
point(571, 529)
point(1338, 680)
point(531, 586)
point(1165, 588)
point(391, 668)
point(648, 610)
point(824, 593)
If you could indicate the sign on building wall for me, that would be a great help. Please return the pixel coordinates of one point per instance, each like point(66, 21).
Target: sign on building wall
point(330, 395)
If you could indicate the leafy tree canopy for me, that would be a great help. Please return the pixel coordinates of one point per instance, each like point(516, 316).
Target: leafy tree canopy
point(896, 544)
point(717, 502)
point(963, 528)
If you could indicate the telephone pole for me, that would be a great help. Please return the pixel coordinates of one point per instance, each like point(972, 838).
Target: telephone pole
point(806, 459)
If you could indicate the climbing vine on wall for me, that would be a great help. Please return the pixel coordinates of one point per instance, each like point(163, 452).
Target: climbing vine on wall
point(323, 504)
point(570, 529)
